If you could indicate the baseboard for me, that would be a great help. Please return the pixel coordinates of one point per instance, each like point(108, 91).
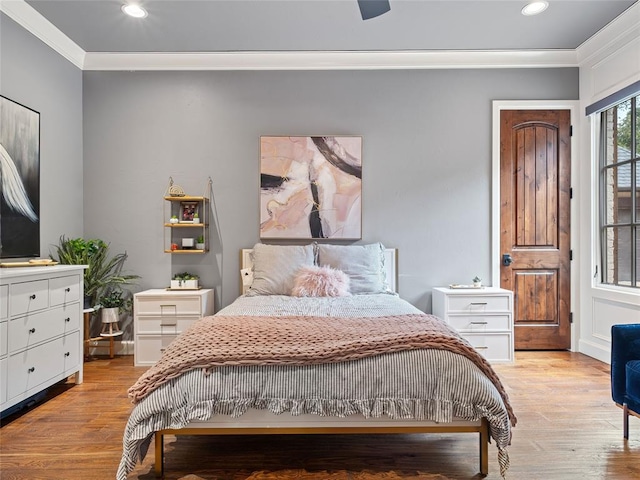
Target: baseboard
point(101, 347)
point(599, 352)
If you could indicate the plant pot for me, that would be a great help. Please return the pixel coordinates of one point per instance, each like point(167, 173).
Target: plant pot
point(199, 246)
point(110, 315)
point(477, 284)
point(184, 284)
point(196, 220)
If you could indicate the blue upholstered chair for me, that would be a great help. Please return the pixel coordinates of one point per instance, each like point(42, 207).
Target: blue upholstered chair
point(625, 370)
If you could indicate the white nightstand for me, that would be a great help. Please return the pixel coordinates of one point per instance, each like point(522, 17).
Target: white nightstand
point(159, 315)
point(483, 316)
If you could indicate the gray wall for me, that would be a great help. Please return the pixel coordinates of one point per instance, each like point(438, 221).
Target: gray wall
point(34, 75)
point(426, 159)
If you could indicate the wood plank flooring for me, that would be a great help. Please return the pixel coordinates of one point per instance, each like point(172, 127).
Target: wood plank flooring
point(568, 428)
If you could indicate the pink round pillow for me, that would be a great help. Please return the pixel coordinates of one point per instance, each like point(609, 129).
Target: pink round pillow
point(311, 281)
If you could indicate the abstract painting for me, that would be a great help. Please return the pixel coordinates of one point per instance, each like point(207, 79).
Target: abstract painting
point(311, 187)
point(20, 180)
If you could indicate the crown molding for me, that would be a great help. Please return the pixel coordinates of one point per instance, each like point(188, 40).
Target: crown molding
point(618, 31)
point(32, 21)
point(381, 60)
point(28, 18)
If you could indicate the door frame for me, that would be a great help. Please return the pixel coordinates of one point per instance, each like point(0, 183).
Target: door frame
point(576, 173)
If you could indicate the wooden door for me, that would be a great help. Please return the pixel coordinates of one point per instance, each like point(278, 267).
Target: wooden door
point(535, 182)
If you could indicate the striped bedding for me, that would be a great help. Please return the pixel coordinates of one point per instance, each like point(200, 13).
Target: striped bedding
point(424, 384)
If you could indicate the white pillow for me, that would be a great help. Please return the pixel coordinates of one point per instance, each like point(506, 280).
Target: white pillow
point(364, 264)
point(275, 267)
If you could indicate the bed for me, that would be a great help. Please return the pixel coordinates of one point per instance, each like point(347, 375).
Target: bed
point(319, 343)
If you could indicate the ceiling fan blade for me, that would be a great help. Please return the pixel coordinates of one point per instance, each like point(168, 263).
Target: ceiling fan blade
point(373, 8)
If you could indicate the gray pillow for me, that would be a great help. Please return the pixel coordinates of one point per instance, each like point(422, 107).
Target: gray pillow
point(364, 264)
point(275, 267)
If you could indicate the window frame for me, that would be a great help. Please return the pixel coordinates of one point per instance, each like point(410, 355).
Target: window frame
point(633, 225)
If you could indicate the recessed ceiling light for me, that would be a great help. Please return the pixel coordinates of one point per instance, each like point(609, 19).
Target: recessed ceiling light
point(134, 10)
point(534, 8)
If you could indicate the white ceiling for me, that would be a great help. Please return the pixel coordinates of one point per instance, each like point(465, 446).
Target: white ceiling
point(326, 25)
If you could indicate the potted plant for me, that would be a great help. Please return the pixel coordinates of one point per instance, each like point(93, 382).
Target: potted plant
point(196, 218)
point(174, 219)
point(200, 242)
point(186, 281)
point(111, 305)
point(477, 281)
point(103, 272)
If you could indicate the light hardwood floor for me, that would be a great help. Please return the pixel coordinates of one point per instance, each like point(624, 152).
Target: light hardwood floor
point(568, 428)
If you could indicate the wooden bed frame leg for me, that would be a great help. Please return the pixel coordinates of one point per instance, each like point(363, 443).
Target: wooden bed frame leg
point(159, 466)
point(484, 448)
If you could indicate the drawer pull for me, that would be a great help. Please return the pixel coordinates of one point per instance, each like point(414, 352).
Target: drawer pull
point(32, 297)
point(68, 319)
point(68, 289)
point(32, 330)
point(478, 303)
point(478, 323)
point(481, 348)
point(31, 370)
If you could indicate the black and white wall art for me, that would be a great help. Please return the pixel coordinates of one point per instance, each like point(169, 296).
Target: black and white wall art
point(19, 180)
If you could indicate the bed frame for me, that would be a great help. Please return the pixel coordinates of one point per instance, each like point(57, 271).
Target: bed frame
point(262, 422)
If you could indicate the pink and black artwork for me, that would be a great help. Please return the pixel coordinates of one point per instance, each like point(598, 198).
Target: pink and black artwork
point(311, 187)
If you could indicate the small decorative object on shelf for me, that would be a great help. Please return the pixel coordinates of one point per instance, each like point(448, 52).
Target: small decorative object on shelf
point(200, 243)
point(184, 281)
point(477, 281)
point(175, 190)
point(174, 219)
point(196, 218)
point(187, 243)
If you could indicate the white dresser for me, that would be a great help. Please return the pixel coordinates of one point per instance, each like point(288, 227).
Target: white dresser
point(483, 316)
point(41, 339)
point(159, 315)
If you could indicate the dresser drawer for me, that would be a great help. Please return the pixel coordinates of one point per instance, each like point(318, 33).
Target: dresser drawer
point(64, 290)
point(32, 367)
point(480, 323)
point(3, 380)
point(149, 348)
point(495, 347)
point(167, 306)
point(28, 297)
point(168, 324)
point(38, 327)
point(71, 352)
point(3, 338)
point(479, 303)
point(4, 301)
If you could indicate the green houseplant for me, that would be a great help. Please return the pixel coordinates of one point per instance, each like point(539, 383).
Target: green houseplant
point(104, 271)
point(112, 303)
point(185, 280)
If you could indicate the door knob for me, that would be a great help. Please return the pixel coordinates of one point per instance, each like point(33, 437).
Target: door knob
point(506, 260)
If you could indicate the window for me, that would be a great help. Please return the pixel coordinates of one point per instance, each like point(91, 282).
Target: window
point(620, 194)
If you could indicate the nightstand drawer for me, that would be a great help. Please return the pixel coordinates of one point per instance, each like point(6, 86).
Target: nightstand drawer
point(172, 324)
point(495, 347)
point(149, 348)
point(167, 306)
point(480, 323)
point(479, 303)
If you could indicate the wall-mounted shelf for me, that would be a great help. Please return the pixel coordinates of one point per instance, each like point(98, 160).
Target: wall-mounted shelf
point(184, 208)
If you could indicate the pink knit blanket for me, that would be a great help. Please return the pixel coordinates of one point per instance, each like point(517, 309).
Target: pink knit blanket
point(301, 340)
